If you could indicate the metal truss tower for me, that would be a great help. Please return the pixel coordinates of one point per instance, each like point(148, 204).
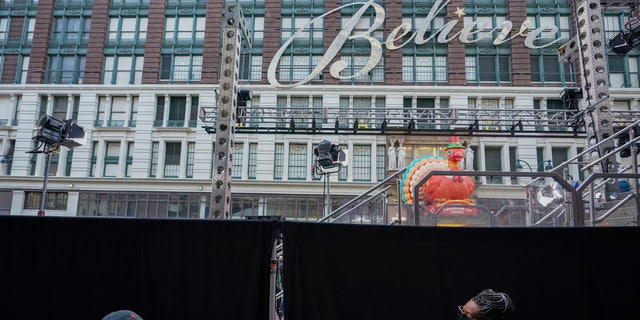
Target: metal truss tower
point(588, 50)
point(233, 30)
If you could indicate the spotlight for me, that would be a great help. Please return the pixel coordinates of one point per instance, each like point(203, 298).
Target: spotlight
point(571, 94)
point(475, 126)
point(411, 126)
point(49, 130)
point(628, 39)
point(67, 133)
point(328, 154)
point(517, 126)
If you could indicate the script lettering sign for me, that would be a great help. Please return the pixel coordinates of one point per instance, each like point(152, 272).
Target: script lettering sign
point(465, 35)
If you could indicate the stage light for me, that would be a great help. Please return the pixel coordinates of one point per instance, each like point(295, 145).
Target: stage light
point(571, 94)
point(67, 133)
point(628, 39)
point(475, 126)
point(49, 130)
point(326, 154)
point(518, 125)
point(329, 155)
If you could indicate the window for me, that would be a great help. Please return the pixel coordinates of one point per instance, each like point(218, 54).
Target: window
point(361, 163)
point(184, 29)
point(181, 67)
point(23, 69)
point(4, 29)
point(482, 27)
point(493, 162)
point(238, 152)
point(178, 114)
point(278, 161)
point(253, 160)
point(547, 69)
point(561, 20)
point(356, 63)
point(298, 163)
point(488, 68)
point(71, 29)
point(66, 68)
point(424, 68)
point(123, 69)
point(153, 168)
point(298, 67)
point(111, 159)
point(255, 25)
point(116, 111)
point(31, 27)
point(191, 151)
point(250, 67)
point(61, 107)
point(172, 159)
point(311, 36)
point(381, 162)
point(54, 200)
point(142, 205)
point(127, 30)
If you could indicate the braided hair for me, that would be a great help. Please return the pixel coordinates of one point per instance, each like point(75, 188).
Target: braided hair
point(494, 305)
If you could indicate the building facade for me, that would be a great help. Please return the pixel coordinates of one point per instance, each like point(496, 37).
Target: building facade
point(140, 75)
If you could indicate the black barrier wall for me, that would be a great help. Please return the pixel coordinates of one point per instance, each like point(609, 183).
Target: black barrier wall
point(379, 272)
point(84, 268)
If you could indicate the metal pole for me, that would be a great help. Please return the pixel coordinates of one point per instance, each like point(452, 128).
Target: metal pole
point(634, 169)
point(43, 195)
point(273, 265)
point(328, 204)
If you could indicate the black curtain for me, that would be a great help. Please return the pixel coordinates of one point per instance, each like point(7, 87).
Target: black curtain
point(380, 272)
point(85, 268)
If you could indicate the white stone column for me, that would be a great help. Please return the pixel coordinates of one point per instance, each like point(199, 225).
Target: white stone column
point(162, 152)
point(187, 112)
point(122, 158)
point(100, 153)
point(182, 174)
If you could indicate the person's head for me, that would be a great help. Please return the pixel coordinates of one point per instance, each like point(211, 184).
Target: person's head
point(122, 315)
point(487, 305)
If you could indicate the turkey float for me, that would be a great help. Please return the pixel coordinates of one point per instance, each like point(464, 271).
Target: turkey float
point(449, 194)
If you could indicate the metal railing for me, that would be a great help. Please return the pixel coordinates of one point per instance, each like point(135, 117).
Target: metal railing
point(425, 121)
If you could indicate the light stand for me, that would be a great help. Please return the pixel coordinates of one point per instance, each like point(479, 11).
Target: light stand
point(319, 172)
point(53, 133)
point(43, 196)
point(330, 159)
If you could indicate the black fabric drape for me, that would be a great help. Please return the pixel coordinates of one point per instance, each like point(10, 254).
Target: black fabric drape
point(77, 268)
point(85, 268)
point(380, 272)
